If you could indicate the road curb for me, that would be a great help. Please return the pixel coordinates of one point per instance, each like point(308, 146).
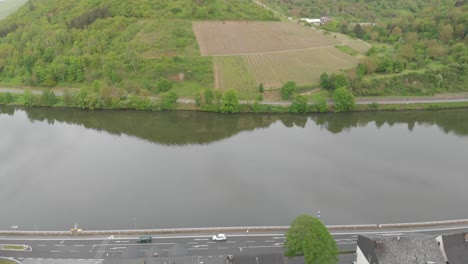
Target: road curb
point(369, 227)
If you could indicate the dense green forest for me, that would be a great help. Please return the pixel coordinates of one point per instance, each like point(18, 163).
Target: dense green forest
point(419, 46)
point(141, 47)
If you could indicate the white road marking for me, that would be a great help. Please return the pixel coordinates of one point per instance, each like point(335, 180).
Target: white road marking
point(191, 243)
point(78, 245)
point(197, 246)
point(279, 237)
point(249, 241)
point(54, 251)
point(199, 239)
point(122, 241)
point(197, 249)
point(115, 248)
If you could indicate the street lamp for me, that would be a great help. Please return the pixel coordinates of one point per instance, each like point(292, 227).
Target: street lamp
point(247, 238)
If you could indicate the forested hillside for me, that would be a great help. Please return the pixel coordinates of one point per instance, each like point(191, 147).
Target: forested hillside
point(138, 46)
point(356, 10)
point(419, 46)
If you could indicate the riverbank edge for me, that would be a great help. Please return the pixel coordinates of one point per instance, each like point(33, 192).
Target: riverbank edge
point(274, 108)
point(367, 227)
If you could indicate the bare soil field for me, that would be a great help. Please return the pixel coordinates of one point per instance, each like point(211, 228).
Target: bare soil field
point(245, 37)
point(245, 73)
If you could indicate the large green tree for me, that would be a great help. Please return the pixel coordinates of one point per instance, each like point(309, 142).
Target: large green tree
point(309, 237)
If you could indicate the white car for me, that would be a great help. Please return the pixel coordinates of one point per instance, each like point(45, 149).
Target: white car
point(219, 237)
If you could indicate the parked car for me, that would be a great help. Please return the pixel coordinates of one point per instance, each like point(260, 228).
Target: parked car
point(219, 237)
point(145, 239)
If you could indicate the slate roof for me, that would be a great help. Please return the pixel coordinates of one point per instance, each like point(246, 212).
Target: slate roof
point(408, 249)
point(456, 248)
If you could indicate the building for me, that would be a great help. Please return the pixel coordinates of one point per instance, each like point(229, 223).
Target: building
point(315, 21)
point(454, 248)
point(408, 249)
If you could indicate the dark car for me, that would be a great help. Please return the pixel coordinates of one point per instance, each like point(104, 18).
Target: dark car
point(145, 239)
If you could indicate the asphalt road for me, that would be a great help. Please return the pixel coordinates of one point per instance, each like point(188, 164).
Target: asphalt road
point(192, 249)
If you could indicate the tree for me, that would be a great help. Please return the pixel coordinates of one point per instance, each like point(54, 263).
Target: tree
point(446, 33)
point(260, 88)
point(407, 52)
point(288, 89)
point(67, 98)
point(320, 104)
point(230, 102)
point(299, 106)
point(370, 64)
point(338, 81)
point(309, 237)
point(344, 100)
point(28, 98)
point(325, 80)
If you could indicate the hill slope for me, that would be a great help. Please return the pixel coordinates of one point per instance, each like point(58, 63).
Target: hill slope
point(127, 44)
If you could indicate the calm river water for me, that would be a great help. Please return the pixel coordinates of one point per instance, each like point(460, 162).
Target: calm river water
point(127, 169)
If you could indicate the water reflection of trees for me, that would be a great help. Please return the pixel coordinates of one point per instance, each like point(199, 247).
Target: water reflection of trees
point(180, 128)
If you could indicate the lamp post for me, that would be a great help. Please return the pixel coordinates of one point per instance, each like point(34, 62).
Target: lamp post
point(247, 238)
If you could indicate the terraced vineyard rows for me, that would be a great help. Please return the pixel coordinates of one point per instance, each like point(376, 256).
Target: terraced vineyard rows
point(303, 67)
point(232, 72)
point(246, 72)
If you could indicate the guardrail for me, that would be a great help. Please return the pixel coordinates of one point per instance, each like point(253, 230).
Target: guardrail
point(230, 229)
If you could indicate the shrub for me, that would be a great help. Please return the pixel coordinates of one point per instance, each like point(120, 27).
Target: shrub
point(6, 98)
point(320, 105)
point(28, 98)
point(344, 100)
point(260, 88)
point(168, 101)
point(374, 106)
point(164, 85)
point(288, 89)
point(230, 102)
point(48, 98)
point(299, 106)
point(209, 96)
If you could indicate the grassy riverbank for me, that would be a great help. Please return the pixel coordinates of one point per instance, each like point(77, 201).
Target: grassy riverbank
point(159, 104)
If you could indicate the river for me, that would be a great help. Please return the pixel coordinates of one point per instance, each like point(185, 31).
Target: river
point(130, 169)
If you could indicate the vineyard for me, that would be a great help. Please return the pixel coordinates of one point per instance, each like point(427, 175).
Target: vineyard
point(243, 37)
point(232, 72)
point(245, 73)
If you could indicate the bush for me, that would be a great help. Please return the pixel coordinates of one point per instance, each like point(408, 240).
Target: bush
point(67, 98)
point(209, 96)
point(230, 102)
point(169, 101)
point(48, 98)
point(6, 98)
point(299, 106)
point(344, 100)
point(164, 85)
point(288, 89)
point(28, 98)
point(320, 105)
point(88, 99)
point(374, 106)
point(260, 88)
